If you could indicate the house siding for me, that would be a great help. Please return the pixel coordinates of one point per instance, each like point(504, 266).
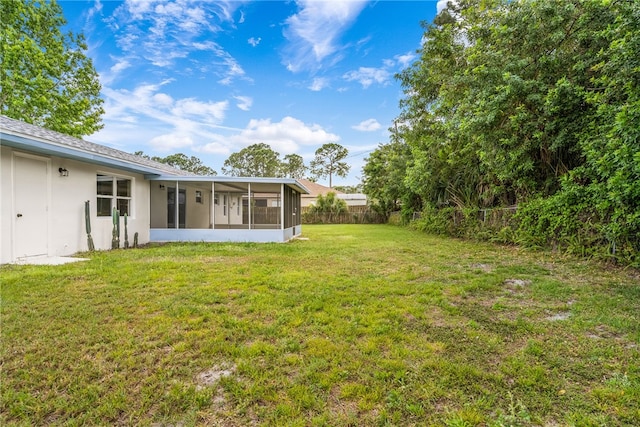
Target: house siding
point(42, 211)
point(66, 223)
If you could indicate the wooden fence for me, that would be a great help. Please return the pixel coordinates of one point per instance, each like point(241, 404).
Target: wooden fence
point(491, 218)
point(262, 215)
point(355, 215)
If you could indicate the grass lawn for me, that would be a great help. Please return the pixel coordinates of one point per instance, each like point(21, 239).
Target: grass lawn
point(358, 325)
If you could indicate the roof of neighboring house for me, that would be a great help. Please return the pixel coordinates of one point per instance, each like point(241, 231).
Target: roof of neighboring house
point(353, 196)
point(315, 188)
point(22, 135)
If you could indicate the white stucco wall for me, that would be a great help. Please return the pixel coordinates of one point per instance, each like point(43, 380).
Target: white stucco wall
point(66, 231)
point(158, 204)
point(198, 213)
point(6, 207)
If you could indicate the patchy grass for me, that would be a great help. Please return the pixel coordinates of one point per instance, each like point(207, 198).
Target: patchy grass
point(359, 325)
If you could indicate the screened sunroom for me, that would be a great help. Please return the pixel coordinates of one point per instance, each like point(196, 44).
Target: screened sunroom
point(221, 209)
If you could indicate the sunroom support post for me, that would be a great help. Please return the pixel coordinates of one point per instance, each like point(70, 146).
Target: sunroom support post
point(282, 203)
point(177, 206)
point(298, 210)
point(249, 201)
point(213, 206)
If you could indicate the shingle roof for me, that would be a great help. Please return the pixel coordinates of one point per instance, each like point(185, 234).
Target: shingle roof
point(56, 139)
point(315, 189)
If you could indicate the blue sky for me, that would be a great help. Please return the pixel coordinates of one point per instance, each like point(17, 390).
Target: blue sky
point(210, 78)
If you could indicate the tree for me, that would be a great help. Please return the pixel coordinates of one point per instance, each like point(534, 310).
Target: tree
point(534, 103)
point(190, 164)
point(293, 166)
point(328, 161)
point(384, 180)
point(329, 204)
point(46, 78)
point(496, 105)
point(183, 162)
point(257, 160)
point(601, 198)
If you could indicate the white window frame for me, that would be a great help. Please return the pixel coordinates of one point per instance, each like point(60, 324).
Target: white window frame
point(114, 196)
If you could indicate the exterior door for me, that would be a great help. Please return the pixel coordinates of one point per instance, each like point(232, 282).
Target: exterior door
point(30, 184)
point(171, 207)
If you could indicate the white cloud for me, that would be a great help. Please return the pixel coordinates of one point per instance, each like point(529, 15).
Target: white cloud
point(170, 34)
point(405, 60)
point(313, 32)
point(285, 136)
point(244, 102)
point(207, 45)
point(163, 99)
point(95, 10)
point(120, 66)
point(154, 119)
point(318, 84)
point(369, 125)
point(138, 8)
point(212, 112)
point(175, 123)
point(366, 76)
point(215, 147)
point(254, 41)
point(171, 142)
point(441, 5)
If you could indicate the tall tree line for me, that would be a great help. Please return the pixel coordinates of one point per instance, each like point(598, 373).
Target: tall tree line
point(532, 103)
point(261, 160)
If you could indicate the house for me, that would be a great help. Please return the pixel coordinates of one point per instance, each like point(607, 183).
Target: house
point(46, 177)
point(316, 189)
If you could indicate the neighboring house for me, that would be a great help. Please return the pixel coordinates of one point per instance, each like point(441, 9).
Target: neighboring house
point(316, 189)
point(354, 199)
point(46, 177)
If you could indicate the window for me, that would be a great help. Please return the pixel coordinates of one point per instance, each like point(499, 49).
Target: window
point(113, 192)
point(198, 196)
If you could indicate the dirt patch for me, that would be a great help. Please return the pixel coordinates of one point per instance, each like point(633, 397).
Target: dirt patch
point(603, 332)
point(563, 315)
point(516, 283)
point(484, 267)
point(436, 317)
point(211, 376)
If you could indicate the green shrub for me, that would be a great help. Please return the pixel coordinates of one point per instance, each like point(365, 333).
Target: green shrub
point(574, 222)
point(328, 204)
